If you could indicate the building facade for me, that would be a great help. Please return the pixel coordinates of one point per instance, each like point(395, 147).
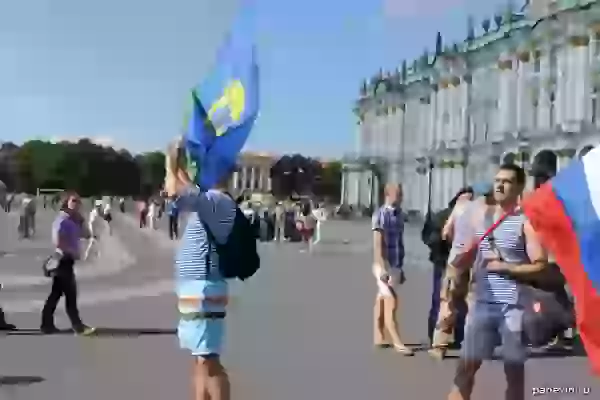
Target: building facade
point(253, 174)
point(524, 83)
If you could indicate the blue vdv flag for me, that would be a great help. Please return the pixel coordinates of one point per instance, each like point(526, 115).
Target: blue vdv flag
point(224, 106)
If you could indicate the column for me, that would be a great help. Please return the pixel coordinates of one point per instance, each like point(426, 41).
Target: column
point(523, 99)
point(432, 118)
point(560, 92)
point(244, 178)
point(580, 82)
point(506, 97)
point(544, 96)
point(441, 110)
point(235, 180)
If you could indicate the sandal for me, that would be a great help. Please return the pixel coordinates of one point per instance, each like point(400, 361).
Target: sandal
point(405, 351)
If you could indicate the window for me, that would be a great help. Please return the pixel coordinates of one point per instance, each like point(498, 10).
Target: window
point(536, 64)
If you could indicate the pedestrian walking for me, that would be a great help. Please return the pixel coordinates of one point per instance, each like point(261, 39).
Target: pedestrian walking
point(67, 229)
point(388, 251)
point(107, 215)
point(319, 215)
point(439, 249)
point(172, 211)
point(279, 228)
point(95, 228)
point(506, 249)
point(305, 224)
point(143, 213)
point(152, 214)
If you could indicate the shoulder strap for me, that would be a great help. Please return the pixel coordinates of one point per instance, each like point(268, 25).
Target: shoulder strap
point(495, 225)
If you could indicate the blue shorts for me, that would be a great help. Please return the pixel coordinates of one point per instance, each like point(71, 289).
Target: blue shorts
point(489, 325)
point(202, 337)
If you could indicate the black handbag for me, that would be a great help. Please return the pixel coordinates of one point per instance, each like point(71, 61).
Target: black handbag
point(545, 314)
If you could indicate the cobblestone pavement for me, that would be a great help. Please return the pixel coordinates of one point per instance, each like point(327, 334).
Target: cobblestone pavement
point(300, 329)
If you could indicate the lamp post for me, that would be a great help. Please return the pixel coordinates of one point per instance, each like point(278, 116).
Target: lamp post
point(428, 169)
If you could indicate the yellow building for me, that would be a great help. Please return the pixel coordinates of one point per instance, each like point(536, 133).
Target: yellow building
point(253, 173)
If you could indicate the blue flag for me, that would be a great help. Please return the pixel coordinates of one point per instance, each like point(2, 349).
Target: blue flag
point(216, 134)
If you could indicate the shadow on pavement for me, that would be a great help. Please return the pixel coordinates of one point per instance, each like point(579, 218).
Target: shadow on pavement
point(20, 380)
point(100, 331)
point(125, 332)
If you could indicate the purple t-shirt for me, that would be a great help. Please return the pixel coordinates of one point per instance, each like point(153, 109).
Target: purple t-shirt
point(66, 228)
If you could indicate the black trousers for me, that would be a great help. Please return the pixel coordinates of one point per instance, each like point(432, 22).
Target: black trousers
point(143, 218)
point(173, 226)
point(63, 283)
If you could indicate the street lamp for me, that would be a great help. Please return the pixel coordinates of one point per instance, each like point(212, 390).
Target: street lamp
point(423, 169)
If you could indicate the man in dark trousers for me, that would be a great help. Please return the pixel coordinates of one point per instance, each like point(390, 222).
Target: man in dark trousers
point(542, 170)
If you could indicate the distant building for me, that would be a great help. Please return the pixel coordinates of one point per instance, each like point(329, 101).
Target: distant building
point(253, 173)
point(526, 84)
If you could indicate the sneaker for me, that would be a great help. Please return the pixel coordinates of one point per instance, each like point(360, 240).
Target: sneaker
point(437, 353)
point(49, 330)
point(84, 330)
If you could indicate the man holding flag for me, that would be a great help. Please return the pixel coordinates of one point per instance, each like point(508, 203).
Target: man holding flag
point(195, 169)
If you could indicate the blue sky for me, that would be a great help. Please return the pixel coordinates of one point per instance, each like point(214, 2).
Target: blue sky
point(119, 70)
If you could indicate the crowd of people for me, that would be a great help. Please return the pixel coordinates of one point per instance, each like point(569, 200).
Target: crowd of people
point(490, 271)
point(494, 285)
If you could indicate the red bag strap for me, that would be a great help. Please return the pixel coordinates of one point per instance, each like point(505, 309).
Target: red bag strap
point(496, 224)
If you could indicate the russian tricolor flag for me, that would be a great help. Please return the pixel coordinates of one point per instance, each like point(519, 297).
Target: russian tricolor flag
point(565, 212)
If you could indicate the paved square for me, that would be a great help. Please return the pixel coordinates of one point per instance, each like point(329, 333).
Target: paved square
point(301, 329)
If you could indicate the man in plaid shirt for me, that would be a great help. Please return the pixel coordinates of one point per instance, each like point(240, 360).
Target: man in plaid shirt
point(388, 246)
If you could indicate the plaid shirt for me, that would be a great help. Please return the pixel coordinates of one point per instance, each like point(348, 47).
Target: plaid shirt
point(390, 222)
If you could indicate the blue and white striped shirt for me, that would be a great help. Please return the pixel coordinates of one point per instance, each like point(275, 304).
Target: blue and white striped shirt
point(506, 242)
point(215, 209)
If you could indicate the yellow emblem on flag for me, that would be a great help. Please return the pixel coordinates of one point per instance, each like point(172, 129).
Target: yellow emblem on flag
point(229, 108)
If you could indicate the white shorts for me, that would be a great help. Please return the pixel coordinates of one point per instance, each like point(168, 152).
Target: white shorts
point(385, 289)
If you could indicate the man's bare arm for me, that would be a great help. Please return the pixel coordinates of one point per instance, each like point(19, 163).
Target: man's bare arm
point(378, 243)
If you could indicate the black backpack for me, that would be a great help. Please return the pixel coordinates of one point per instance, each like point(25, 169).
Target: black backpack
point(238, 256)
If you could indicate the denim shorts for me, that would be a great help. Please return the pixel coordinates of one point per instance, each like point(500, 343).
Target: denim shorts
point(201, 337)
point(489, 325)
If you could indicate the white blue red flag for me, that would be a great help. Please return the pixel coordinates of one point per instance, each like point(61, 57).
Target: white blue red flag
point(565, 212)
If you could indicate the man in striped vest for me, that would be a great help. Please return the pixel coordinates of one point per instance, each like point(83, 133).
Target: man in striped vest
point(201, 289)
point(502, 247)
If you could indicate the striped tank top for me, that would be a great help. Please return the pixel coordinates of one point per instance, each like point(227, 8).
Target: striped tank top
point(196, 257)
point(507, 242)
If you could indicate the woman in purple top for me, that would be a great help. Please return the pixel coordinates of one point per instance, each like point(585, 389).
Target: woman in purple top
point(67, 229)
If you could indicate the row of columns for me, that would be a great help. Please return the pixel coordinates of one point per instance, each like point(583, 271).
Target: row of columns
point(252, 178)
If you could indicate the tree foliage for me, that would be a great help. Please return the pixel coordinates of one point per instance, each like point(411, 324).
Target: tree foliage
point(85, 167)
point(296, 174)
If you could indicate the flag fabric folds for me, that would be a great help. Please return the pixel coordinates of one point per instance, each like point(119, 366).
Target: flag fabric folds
point(224, 106)
point(565, 212)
